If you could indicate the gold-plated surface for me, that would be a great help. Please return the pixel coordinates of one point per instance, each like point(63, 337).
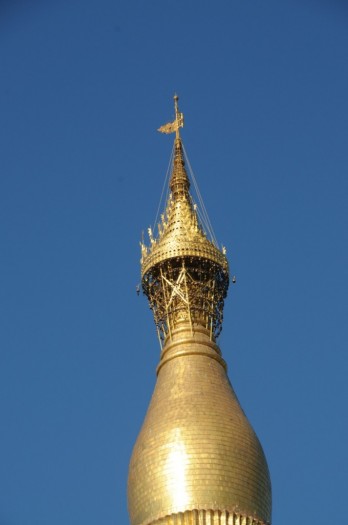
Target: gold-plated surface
point(197, 460)
point(208, 517)
point(184, 275)
point(178, 123)
point(196, 449)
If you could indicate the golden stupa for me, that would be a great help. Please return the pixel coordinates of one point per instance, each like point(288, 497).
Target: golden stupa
point(197, 460)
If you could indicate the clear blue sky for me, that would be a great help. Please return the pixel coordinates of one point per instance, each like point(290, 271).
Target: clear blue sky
point(84, 86)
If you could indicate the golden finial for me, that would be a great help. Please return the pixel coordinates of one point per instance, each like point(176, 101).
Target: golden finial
point(174, 126)
point(184, 275)
point(197, 460)
point(178, 116)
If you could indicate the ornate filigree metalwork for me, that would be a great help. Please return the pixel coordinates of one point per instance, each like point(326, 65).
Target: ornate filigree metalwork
point(184, 275)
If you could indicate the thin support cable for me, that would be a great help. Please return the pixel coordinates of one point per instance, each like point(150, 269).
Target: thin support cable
point(165, 185)
point(203, 214)
point(204, 222)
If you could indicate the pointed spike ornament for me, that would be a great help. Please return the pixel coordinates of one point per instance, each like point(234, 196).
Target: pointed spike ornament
point(197, 458)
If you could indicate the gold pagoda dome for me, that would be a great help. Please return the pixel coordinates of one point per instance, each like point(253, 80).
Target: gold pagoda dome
point(197, 460)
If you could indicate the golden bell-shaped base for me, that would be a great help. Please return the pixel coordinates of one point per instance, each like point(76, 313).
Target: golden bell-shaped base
point(197, 458)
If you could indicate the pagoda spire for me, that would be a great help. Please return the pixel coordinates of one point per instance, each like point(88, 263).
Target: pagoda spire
point(197, 460)
point(179, 182)
point(178, 123)
point(184, 275)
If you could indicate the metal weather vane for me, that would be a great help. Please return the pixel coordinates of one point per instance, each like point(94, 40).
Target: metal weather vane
point(173, 127)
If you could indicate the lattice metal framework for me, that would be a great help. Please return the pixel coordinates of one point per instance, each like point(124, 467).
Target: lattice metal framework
point(186, 289)
point(184, 275)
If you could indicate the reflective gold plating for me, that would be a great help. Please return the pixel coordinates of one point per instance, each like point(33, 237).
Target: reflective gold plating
point(208, 517)
point(196, 449)
point(197, 460)
point(180, 233)
point(184, 275)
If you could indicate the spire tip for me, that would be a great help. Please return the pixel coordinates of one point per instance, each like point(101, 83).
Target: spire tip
point(173, 127)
